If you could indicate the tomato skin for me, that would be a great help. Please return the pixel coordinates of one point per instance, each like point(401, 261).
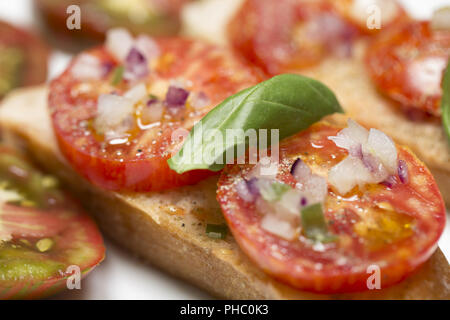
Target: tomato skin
point(29, 268)
point(34, 50)
point(67, 235)
point(140, 176)
point(396, 58)
point(216, 72)
point(97, 21)
point(264, 31)
point(299, 265)
point(399, 15)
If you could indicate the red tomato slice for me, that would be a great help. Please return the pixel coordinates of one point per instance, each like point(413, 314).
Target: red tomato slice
point(286, 35)
point(23, 58)
point(407, 64)
point(363, 13)
point(140, 164)
point(38, 244)
point(155, 17)
point(394, 228)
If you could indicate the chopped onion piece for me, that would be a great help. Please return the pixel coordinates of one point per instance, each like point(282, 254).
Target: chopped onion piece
point(119, 43)
point(137, 93)
point(152, 113)
point(147, 46)
point(112, 113)
point(200, 100)
point(278, 227)
point(244, 192)
point(314, 187)
point(300, 170)
point(351, 138)
point(176, 97)
point(382, 147)
point(136, 66)
point(348, 173)
point(372, 153)
point(87, 66)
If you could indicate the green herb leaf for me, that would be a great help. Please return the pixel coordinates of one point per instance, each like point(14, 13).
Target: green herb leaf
point(288, 102)
point(216, 231)
point(314, 225)
point(445, 102)
point(274, 191)
point(117, 75)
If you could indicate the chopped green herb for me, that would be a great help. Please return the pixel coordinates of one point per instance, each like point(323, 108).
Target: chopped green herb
point(274, 191)
point(117, 75)
point(216, 231)
point(314, 225)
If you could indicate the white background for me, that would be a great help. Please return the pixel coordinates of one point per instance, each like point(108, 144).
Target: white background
point(122, 276)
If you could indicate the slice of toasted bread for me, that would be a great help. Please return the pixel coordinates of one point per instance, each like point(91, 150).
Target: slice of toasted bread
point(168, 228)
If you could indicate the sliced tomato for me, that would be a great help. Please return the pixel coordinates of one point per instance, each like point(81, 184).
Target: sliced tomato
point(23, 58)
point(395, 228)
point(287, 35)
point(155, 17)
point(407, 63)
point(367, 14)
point(39, 242)
point(140, 163)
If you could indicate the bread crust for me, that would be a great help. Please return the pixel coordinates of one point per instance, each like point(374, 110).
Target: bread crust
point(167, 228)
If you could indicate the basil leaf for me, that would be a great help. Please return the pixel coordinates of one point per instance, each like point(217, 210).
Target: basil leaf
point(287, 102)
point(314, 225)
point(117, 75)
point(445, 102)
point(274, 191)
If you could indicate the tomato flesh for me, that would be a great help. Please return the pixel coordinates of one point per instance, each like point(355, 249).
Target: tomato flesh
point(407, 63)
point(154, 17)
point(140, 164)
point(394, 228)
point(38, 242)
point(23, 59)
point(286, 35)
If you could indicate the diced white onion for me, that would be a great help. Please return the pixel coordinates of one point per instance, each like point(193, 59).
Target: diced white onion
point(278, 227)
point(351, 137)
point(87, 67)
point(314, 188)
point(348, 173)
point(119, 43)
point(372, 157)
point(382, 147)
point(289, 205)
point(152, 113)
point(112, 113)
point(147, 46)
point(441, 19)
point(137, 93)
